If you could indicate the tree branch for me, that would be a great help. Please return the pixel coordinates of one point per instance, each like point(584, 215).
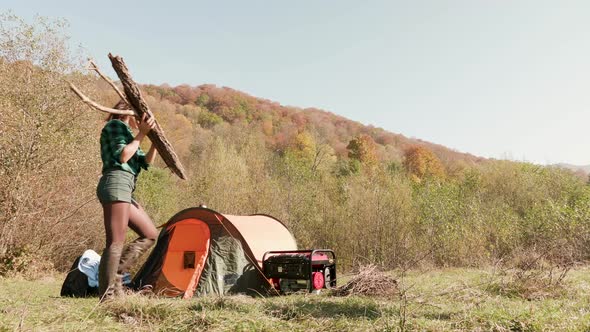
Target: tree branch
point(96, 105)
point(94, 67)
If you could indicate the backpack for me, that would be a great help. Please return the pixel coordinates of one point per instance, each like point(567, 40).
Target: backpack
point(76, 283)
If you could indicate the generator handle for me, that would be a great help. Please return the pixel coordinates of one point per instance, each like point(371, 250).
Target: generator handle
point(310, 251)
point(328, 251)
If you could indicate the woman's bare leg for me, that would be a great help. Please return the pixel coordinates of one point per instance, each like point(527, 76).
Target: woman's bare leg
point(116, 219)
point(141, 224)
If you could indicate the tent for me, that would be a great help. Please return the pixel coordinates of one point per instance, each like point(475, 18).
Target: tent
point(201, 251)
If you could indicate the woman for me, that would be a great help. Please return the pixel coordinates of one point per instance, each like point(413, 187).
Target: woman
point(122, 160)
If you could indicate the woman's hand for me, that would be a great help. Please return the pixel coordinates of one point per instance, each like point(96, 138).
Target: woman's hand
point(146, 124)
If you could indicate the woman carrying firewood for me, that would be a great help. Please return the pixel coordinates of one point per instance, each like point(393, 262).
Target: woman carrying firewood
point(122, 160)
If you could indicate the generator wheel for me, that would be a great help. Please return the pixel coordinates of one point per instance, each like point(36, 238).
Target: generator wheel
point(327, 278)
point(318, 280)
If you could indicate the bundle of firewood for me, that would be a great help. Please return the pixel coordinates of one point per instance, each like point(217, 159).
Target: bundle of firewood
point(137, 107)
point(369, 281)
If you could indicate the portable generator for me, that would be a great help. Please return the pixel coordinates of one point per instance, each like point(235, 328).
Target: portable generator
point(296, 270)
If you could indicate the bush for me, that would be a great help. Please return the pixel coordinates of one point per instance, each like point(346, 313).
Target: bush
point(24, 262)
point(208, 119)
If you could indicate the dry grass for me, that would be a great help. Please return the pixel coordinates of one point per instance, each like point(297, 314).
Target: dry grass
point(440, 300)
point(532, 284)
point(530, 276)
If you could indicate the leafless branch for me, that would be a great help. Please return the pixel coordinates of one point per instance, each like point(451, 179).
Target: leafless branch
point(94, 67)
point(96, 105)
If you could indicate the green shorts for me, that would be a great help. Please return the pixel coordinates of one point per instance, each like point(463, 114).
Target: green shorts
point(116, 186)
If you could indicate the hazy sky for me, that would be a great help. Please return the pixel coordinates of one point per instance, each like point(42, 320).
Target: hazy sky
point(502, 79)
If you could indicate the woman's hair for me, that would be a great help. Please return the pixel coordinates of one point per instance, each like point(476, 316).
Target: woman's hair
point(121, 105)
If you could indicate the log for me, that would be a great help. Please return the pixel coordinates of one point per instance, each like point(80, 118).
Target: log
point(140, 106)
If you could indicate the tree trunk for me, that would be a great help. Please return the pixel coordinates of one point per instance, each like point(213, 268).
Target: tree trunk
point(156, 135)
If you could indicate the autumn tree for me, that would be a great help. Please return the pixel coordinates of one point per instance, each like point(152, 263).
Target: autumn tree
point(421, 163)
point(208, 119)
point(363, 149)
point(48, 170)
point(267, 127)
point(303, 146)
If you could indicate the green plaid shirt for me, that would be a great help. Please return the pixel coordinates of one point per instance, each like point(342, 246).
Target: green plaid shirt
point(115, 135)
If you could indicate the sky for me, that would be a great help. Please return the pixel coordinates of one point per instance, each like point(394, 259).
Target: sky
point(498, 79)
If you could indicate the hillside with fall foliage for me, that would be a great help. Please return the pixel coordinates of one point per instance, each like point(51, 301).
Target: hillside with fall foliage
point(210, 105)
point(371, 195)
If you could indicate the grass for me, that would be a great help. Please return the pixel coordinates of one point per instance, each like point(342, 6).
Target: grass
point(438, 300)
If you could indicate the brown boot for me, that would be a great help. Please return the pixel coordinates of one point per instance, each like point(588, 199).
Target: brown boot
point(129, 257)
point(107, 271)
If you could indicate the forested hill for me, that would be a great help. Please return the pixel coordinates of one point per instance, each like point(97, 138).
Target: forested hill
point(372, 196)
point(210, 105)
